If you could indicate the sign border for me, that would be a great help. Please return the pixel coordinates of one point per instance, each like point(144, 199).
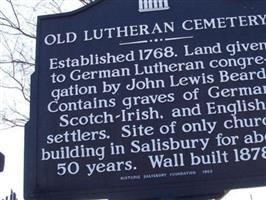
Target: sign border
point(33, 192)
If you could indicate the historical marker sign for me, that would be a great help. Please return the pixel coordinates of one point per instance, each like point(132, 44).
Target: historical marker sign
point(158, 98)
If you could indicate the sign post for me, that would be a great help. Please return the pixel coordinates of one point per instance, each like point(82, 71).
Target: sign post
point(148, 99)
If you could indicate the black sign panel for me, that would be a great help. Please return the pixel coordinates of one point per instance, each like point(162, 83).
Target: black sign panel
point(159, 98)
point(2, 162)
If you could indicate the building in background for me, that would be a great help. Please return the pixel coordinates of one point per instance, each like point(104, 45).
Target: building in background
point(12, 196)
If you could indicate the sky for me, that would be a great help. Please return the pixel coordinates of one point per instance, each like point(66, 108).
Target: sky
point(12, 146)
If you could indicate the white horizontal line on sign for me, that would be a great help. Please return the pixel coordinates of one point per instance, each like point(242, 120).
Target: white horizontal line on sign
point(146, 41)
point(179, 38)
point(136, 42)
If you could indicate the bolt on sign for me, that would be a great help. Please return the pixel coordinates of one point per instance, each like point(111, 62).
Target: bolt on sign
point(148, 99)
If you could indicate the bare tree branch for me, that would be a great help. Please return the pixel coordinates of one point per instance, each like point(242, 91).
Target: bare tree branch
point(5, 21)
point(14, 12)
point(22, 88)
point(15, 122)
point(17, 60)
point(85, 2)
